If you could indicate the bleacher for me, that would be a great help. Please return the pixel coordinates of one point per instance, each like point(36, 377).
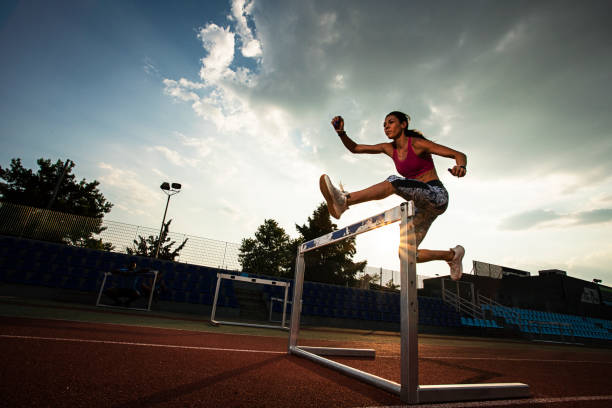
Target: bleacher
point(555, 324)
point(30, 262)
point(334, 301)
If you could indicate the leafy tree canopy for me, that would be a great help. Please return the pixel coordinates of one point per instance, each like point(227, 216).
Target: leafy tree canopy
point(24, 186)
point(270, 253)
point(148, 246)
point(51, 204)
point(332, 263)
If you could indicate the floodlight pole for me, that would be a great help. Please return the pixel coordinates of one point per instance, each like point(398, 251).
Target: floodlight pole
point(170, 191)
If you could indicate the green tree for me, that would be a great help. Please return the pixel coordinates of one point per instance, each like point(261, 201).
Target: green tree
point(366, 280)
point(392, 285)
point(23, 186)
point(269, 253)
point(53, 187)
point(332, 263)
point(148, 246)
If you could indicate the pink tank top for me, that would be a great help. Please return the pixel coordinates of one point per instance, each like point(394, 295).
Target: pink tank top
point(412, 165)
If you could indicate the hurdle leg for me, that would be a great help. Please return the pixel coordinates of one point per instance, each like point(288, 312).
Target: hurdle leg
point(214, 308)
point(408, 311)
point(285, 307)
point(102, 288)
point(298, 285)
point(152, 290)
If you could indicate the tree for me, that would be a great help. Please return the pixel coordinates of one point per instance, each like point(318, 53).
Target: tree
point(366, 280)
point(392, 285)
point(53, 187)
point(148, 246)
point(332, 263)
point(269, 253)
point(25, 187)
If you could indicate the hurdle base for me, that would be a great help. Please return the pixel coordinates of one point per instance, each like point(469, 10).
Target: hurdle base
point(263, 326)
point(472, 392)
point(425, 393)
point(139, 309)
point(339, 352)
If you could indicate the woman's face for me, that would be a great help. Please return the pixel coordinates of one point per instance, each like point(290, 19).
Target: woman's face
point(393, 127)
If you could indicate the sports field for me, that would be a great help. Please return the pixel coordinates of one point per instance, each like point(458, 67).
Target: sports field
point(66, 355)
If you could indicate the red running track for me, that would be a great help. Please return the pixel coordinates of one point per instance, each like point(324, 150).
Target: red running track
point(51, 363)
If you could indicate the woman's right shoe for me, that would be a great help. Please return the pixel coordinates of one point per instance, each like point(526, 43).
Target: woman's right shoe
point(335, 198)
point(456, 265)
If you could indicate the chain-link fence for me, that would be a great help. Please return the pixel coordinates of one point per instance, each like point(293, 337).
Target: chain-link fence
point(45, 225)
point(381, 276)
point(54, 226)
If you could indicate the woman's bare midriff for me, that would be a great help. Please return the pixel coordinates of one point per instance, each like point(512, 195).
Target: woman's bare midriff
point(428, 176)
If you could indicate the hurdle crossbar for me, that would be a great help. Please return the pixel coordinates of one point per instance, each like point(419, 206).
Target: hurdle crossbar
point(221, 276)
point(408, 389)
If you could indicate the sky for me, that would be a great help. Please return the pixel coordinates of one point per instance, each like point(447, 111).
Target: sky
point(233, 99)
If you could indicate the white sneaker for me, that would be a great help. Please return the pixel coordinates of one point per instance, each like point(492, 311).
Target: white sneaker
point(336, 199)
point(456, 265)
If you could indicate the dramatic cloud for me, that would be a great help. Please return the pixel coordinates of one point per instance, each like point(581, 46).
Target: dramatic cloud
point(545, 218)
point(510, 84)
point(241, 10)
point(528, 219)
point(594, 216)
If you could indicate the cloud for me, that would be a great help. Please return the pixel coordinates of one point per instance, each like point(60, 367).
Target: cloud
point(241, 9)
point(202, 147)
point(219, 44)
point(175, 157)
point(601, 215)
point(528, 219)
point(548, 218)
point(130, 192)
point(150, 68)
point(513, 36)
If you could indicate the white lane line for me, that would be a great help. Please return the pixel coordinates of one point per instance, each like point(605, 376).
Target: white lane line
point(505, 403)
point(127, 343)
point(536, 360)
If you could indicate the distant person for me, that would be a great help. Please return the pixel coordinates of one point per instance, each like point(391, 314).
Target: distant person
point(127, 287)
point(411, 153)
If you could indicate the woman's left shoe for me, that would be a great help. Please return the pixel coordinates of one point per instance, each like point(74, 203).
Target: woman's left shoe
point(456, 265)
point(335, 198)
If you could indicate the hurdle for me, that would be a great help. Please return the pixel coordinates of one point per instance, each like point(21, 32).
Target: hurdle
point(221, 276)
point(150, 300)
point(272, 300)
point(409, 389)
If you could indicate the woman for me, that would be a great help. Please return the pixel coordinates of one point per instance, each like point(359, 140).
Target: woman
point(411, 153)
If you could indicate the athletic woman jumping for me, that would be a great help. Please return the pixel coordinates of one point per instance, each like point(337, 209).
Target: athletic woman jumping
point(411, 153)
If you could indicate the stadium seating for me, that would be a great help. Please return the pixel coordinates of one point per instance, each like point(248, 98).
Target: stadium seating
point(553, 324)
point(53, 265)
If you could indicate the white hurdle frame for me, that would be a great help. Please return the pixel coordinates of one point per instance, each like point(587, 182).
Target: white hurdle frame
point(221, 276)
point(409, 389)
point(147, 309)
point(275, 299)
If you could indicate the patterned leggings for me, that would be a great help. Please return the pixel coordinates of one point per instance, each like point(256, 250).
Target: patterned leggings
point(430, 200)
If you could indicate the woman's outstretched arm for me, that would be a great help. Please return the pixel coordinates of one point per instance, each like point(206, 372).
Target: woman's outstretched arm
point(338, 124)
point(427, 146)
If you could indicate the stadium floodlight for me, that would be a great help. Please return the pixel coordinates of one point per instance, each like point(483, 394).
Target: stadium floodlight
point(170, 190)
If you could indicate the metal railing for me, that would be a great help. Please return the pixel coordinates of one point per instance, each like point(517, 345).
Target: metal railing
point(462, 305)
